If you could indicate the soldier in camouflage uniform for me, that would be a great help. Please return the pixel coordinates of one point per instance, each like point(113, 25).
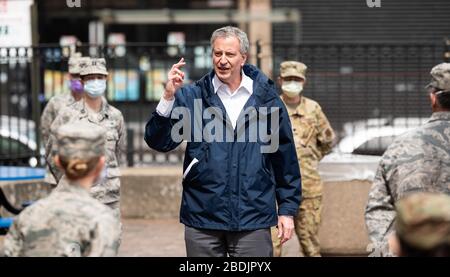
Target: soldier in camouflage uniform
point(416, 161)
point(69, 222)
point(314, 138)
point(95, 109)
point(56, 103)
point(422, 227)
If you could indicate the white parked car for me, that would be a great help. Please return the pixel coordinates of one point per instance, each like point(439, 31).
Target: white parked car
point(18, 142)
point(373, 136)
point(357, 154)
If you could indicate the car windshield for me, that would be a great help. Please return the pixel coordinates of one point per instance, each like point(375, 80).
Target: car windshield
point(373, 136)
point(375, 146)
point(9, 146)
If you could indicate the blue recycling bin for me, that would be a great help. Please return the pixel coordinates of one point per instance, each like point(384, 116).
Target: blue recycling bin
point(16, 173)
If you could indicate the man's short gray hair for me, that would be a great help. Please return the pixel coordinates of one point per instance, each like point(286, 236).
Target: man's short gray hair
point(230, 31)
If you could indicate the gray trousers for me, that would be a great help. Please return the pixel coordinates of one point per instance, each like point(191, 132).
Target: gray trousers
point(214, 243)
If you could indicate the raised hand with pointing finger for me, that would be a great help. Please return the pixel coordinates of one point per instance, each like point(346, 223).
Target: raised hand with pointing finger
point(175, 79)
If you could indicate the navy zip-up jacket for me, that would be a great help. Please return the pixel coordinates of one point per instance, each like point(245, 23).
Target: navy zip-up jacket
point(234, 186)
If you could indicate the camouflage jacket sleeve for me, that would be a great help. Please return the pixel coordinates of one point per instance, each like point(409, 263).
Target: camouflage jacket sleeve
point(380, 211)
point(47, 117)
point(13, 241)
point(105, 240)
point(121, 148)
point(326, 134)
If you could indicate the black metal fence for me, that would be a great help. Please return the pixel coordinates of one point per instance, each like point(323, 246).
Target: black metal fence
point(371, 92)
point(357, 85)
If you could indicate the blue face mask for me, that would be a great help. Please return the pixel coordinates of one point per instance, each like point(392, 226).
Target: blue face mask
point(95, 88)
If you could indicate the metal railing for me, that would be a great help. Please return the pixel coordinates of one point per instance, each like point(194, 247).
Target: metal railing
point(358, 85)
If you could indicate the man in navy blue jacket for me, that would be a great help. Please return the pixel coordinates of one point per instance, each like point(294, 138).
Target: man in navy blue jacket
point(240, 160)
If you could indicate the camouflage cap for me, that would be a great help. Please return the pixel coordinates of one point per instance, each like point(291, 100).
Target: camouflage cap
point(293, 68)
point(440, 77)
point(93, 66)
point(80, 140)
point(423, 220)
point(74, 63)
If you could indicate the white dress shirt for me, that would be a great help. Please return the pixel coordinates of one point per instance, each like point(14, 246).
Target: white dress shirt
point(233, 102)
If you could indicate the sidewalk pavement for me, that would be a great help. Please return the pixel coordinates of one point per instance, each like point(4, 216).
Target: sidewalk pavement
point(165, 238)
point(161, 238)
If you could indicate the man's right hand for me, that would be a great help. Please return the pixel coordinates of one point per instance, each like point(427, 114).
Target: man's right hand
point(175, 80)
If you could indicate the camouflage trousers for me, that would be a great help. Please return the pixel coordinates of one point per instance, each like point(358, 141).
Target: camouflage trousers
point(108, 191)
point(306, 224)
point(115, 206)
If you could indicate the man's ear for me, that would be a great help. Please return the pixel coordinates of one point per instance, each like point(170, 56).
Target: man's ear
point(99, 167)
point(101, 163)
point(57, 161)
point(279, 81)
point(245, 59)
point(433, 100)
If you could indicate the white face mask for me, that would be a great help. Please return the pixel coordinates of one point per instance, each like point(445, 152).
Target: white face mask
point(95, 88)
point(292, 88)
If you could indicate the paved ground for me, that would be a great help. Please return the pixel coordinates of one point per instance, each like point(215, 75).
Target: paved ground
point(164, 238)
point(152, 238)
point(161, 238)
